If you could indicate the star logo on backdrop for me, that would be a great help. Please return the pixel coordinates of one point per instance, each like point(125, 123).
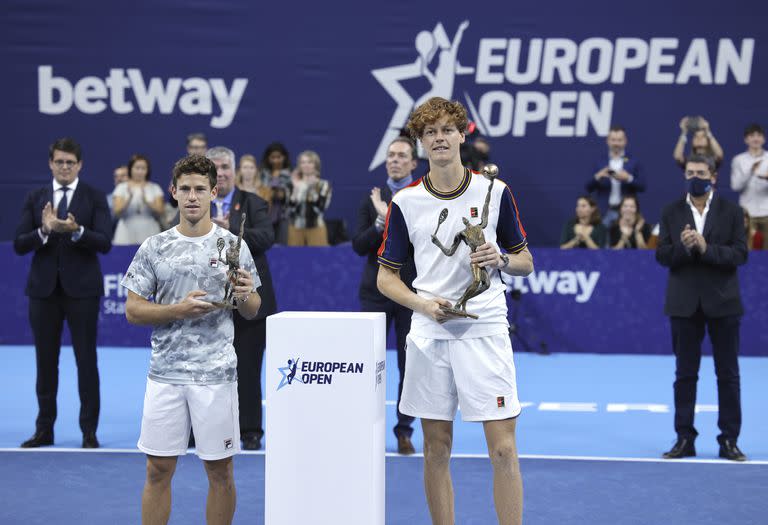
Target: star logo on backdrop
point(428, 44)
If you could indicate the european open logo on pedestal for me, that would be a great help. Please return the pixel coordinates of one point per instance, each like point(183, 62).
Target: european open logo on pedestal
point(314, 372)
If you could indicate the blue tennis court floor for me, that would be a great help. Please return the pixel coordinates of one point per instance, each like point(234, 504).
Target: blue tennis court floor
point(590, 436)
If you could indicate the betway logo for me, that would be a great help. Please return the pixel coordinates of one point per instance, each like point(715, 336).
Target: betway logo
point(580, 284)
point(92, 95)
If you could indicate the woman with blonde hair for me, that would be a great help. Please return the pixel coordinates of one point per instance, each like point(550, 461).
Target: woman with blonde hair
point(309, 197)
point(248, 178)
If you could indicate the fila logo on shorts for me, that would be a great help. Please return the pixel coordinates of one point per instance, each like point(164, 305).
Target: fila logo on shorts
point(228, 444)
point(500, 402)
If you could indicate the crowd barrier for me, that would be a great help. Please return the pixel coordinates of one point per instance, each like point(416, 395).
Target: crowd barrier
point(575, 301)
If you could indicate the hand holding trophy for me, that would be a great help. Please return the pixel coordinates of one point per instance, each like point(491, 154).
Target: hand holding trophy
point(232, 258)
point(472, 235)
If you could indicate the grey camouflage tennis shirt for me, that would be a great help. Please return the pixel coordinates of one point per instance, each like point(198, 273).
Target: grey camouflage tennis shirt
point(167, 267)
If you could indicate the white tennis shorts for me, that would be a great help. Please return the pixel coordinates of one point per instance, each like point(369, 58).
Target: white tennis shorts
point(477, 373)
point(170, 411)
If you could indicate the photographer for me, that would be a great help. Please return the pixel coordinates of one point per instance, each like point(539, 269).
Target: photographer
point(703, 142)
point(619, 177)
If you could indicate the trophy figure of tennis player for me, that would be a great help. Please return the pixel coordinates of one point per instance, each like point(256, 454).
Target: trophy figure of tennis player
point(232, 258)
point(473, 236)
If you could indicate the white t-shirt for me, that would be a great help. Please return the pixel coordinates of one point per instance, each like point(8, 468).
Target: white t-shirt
point(167, 267)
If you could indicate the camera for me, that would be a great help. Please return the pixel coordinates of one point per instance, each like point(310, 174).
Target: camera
point(693, 123)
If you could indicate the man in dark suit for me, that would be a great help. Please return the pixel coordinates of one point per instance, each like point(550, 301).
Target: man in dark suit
point(250, 336)
point(401, 161)
point(702, 241)
point(65, 224)
point(615, 176)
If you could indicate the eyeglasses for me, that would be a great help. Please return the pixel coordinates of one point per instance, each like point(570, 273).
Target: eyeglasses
point(62, 163)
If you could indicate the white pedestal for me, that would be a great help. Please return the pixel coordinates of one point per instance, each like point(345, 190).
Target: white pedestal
point(325, 423)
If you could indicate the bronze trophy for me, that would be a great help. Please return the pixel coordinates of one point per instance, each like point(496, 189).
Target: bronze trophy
point(233, 264)
point(473, 236)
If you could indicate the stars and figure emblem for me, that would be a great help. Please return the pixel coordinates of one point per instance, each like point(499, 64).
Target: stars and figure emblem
point(289, 373)
point(441, 80)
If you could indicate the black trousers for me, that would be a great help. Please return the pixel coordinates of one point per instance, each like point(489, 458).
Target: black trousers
point(46, 317)
point(401, 317)
point(250, 340)
point(687, 336)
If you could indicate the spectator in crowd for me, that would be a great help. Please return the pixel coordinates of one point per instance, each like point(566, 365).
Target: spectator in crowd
point(276, 175)
point(138, 205)
point(702, 242)
point(192, 380)
point(630, 230)
point(65, 223)
point(585, 230)
point(703, 142)
point(309, 197)
point(653, 240)
point(197, 144)
point(755, 239)
point(119, 175)
point(475, 151)
point(401, 161)
point(616, 176)
point(248, 178)
point(227, 210)
point(749, 176)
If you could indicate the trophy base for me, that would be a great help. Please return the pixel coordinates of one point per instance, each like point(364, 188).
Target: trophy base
point(459, 313)
point(224, 305)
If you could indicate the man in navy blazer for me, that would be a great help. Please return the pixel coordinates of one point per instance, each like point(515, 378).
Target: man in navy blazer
point(615, 176)
point(702, 241)
point(65, 223)
point(250, 335)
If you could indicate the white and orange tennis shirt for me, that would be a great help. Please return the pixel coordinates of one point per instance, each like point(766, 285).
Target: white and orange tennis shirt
point(411, 220)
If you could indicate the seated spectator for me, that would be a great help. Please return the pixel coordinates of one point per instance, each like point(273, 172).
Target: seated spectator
point(276, 175)
point(653, 240)
point(585, 230)
point(630, 230)
point(119, 175)
point(476, 150)
point(248, 179)
point(749, 176)
point(197, 144)
point(703, 142)
point(309, 197)
point(615, 176)
point(755, 239)
point(138, 205)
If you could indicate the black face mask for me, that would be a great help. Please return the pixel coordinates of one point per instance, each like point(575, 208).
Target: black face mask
point(698, 187)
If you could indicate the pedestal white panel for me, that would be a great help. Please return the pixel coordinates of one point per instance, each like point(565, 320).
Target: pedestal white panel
point(326, 388)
